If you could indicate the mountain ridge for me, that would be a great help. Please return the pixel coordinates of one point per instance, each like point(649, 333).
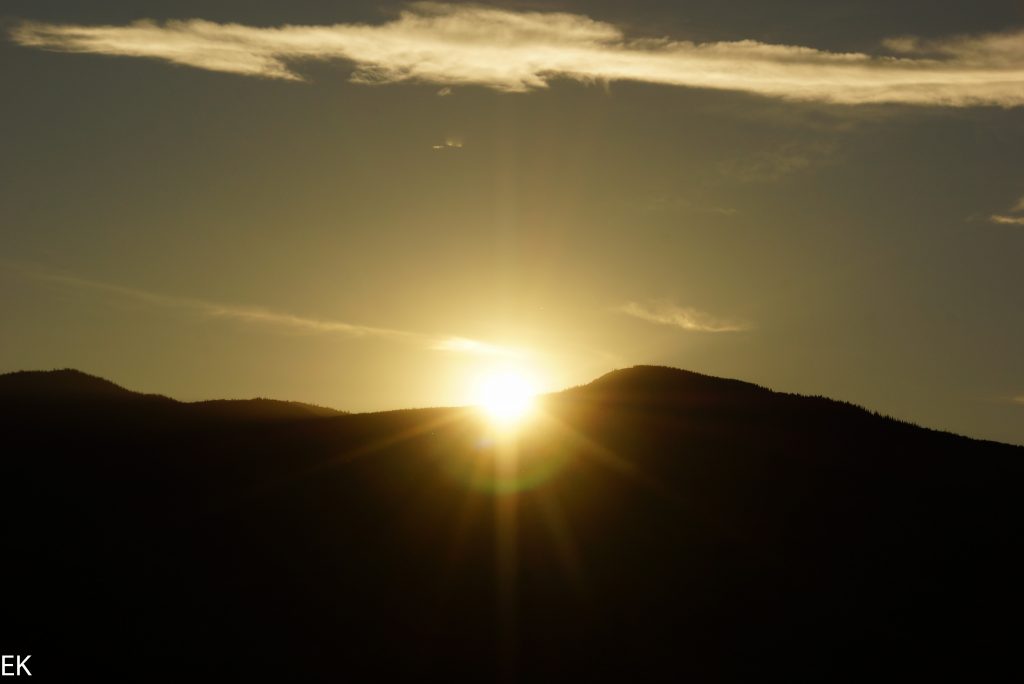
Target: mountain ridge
point(710, 529)
point(645, 383)
point(72, 385)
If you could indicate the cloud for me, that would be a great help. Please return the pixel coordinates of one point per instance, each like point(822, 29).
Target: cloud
point(463, 345)
point(686, 318)
point(281, 320)
point(1007, 220)
point(452, 45)
point(449, 144)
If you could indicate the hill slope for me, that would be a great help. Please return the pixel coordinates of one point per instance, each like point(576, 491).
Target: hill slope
point(654, 521)
point(39, 391)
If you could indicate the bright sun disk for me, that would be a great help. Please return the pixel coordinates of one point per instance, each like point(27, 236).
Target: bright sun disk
point(506, 397)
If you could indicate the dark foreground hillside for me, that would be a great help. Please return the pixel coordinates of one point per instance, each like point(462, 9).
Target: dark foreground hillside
point(655, 524)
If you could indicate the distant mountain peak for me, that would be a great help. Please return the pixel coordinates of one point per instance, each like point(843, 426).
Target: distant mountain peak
point(67, 386)
point(67, 383)
point(654, 380)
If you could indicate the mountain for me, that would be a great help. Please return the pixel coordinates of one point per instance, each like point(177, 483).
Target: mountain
point(37, 391)
point(652, 524)
point(62, 385)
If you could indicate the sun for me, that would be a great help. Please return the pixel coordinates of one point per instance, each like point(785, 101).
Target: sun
point(505, 396)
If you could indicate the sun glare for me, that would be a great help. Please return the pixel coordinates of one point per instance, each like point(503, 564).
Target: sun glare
point(506, 397)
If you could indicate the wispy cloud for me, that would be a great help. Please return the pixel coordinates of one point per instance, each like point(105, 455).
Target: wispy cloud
point(448, 145)
point(278, 319)
point(684, 317)
point(451, 45)
point(1007, 220)
point(463, 345)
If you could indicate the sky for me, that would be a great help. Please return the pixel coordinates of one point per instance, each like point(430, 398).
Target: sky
point(368, 205)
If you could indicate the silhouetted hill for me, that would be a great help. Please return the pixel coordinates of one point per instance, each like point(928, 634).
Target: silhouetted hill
point(60, 385)
point(665, 383)
point(722, 402)
point(653, 524)
point(69, 389)
point(260, 409)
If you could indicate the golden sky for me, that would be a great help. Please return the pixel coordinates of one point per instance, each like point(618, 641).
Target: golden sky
point(367, 205)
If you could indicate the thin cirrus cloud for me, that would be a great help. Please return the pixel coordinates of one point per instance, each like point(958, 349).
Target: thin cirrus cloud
point(1009, 219)
point(453, 45)
point(280, 320)
point(448, 145)
point(683, 317)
